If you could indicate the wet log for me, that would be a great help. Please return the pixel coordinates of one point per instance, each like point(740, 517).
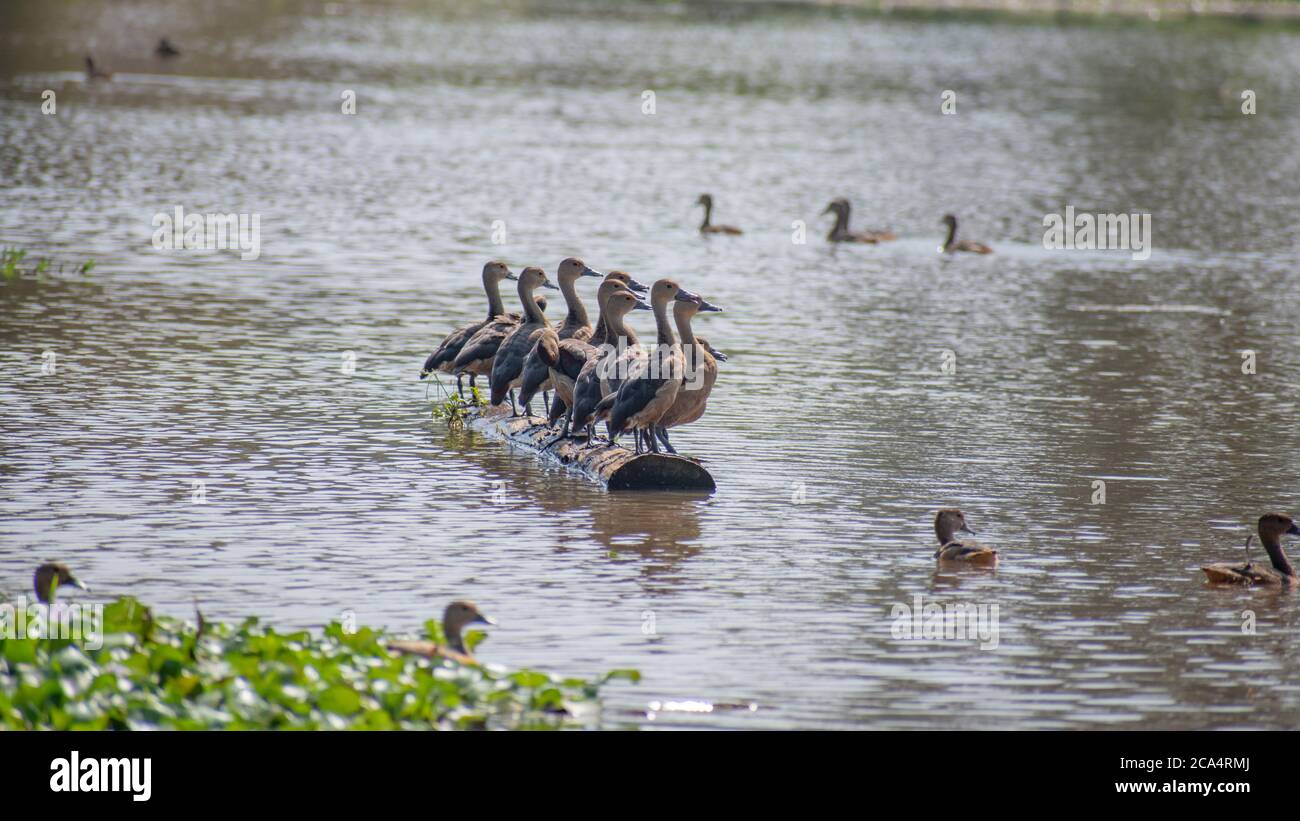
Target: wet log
point(613, 466)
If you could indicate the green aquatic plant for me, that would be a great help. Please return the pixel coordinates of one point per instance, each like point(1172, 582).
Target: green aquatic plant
point(154, 672)
point(12, 265)
point(455, 409)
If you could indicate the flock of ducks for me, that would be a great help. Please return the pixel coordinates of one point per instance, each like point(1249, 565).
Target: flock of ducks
point(840, 231)
point(461, 614)
point(597, 372)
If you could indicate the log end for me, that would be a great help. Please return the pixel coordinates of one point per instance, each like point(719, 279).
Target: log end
point(660, 471)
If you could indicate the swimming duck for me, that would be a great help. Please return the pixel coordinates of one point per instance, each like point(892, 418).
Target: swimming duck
point(49, 577)
point(458, 615)
point(95, 73)
point(949, 522)
point(952, 244)
point(840, 231)
point(1272, 527)
point(707, 227)
point(166, 49)
point(444, 356)
point(701, 372)
point(590, 386)
point(508, 365)
point(576, 325)
point(652, 386)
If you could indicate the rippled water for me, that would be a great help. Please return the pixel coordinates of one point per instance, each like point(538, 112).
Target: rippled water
point(833, 433)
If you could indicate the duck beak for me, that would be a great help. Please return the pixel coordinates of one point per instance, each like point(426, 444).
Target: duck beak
point(965, 528)
point(637, 287)
point(706, 306)
point(510, 275)
point(482, 619)
point(642, 306)
point(551, 285)
point(587, 272)
point(1294, 529)
point(684, 295)
point(716, 354)
point(79, 583)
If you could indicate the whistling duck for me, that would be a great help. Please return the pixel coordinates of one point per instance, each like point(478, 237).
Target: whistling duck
point(49, 577)
point(651, 387)
point(166, 49)
point(707, 227)
point(952, 244)
point(568, 359)
point(1272, 527)
point(508, 365)
point(699, 376)
point(576, 325)
point(445, 355)
point(478, 354)
point(840, 231)
point(457, 616)
point(590, 387)
point(947, 524)
point(95, 73)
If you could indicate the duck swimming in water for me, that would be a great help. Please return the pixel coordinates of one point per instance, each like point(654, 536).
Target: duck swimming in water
point(947, 524)
point(444, 356)
point(457, 616)
point(93, 72)
point(537, 376)
point(1272, 527)
point(652, 386)
point(953, 245)
point(701, 372)
point(840, 231)
point(49, 577)
point(508, 364)
point(707, 227)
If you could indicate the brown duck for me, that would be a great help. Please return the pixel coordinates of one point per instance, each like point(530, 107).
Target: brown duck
point(458, 615)
point(1272, 527)
point(947, 524)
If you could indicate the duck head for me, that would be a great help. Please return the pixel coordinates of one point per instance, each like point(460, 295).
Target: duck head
point(532, 278)
point(950, 221)
point(52, 575)
point(459, 615)
point(627, 280)
point(666, 290)
point(620, 301)
point(572, 269)
point(496, 271)
point(1273, 526)
point(838, 206)
point(705, 200)
point(949, 522)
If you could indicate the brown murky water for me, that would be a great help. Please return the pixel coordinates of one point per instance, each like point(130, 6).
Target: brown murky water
point(833, 432)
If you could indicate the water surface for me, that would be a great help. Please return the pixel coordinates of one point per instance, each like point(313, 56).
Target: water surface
point(833, 433)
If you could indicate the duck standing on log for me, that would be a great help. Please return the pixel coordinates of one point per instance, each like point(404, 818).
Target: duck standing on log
point(589, 388)
point(651, 388)
point(537, 376)
point(478, 354)
point(701, 372)
point(508, 364)
point(442, 359)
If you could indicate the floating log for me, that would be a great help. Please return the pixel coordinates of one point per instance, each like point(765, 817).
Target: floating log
point(614, 466)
